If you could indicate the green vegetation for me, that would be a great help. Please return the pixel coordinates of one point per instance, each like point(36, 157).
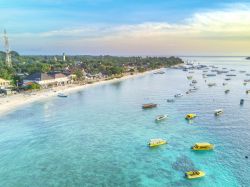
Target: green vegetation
point(91, 65)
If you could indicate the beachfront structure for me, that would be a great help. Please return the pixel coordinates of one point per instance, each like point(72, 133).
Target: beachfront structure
point(48, 79)
point(4, 83)
point(5, 87)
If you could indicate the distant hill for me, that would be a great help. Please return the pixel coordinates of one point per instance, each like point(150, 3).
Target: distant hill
point(248, 58)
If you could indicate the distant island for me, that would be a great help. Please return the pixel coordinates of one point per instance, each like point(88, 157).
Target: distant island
point(35, 72)
point(248, 58)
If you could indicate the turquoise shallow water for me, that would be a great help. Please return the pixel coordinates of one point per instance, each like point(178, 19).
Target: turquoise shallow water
point(98, 136)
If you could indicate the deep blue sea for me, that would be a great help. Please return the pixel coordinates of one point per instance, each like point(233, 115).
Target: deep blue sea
point(98, 136)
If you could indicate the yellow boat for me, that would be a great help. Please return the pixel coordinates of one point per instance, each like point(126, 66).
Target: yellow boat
point(191, 116)
point(202, 146)
point(156, 142)
point(195, 174)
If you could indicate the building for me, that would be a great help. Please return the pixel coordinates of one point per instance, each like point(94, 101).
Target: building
point(5, 87)
point(5, 83)
point(48, 79)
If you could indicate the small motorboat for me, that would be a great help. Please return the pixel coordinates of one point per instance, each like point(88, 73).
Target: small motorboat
point(178, 95)
point(160, 117)
point(190, 116)
point(62, 95)
point(241, 101)
point(159, 72)
point(170, 100)
point(227, 91)
point(202, 146)
point(211, 84)
point(195, 174)
point(149, 105)
point(218, 112)
point(224, 83)
point(156, 142)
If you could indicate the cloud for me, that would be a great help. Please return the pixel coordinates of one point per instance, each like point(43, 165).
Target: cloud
point(210, 30)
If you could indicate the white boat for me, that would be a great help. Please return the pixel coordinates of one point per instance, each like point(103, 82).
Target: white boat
point(211, 84)
point(62, 95)
point(178, 95)
point(161, 117)
point(218, 112)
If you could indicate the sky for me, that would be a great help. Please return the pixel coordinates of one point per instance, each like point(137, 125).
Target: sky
point(127, 27)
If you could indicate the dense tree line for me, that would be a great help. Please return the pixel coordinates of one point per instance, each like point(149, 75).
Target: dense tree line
point(107, 65)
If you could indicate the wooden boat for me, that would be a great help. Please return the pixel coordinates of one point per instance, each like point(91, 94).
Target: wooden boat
point(149, 105)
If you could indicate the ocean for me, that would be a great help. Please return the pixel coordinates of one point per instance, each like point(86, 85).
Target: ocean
point(98, 136)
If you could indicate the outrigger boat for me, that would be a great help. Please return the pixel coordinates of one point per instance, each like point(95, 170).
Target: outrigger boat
point(160, 117)
point(149, 105)
point(202, 146)
point(218, 112)
point(156, 142)
point(195, 174)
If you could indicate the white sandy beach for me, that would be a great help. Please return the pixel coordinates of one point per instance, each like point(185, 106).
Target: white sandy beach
point(13, 102)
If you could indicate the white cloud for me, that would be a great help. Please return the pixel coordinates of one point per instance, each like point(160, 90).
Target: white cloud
point(199, 33)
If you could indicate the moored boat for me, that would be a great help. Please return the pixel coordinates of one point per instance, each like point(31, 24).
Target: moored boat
point(218, 112)
point(178, 95)
point(195, 174)
point(160, 117)
point(170, 100)
point(190, 116)
point(248, 91)
point(202, 146)
point(227, 91)
point(149, 105)
point(62, 95)
point(241, 101)
point(211, 84)
point(156, 142)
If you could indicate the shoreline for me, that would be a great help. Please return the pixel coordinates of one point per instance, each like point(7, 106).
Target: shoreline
point(11, 103)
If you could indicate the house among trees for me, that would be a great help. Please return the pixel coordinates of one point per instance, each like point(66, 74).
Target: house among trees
point(48, 79)
point(5, 86)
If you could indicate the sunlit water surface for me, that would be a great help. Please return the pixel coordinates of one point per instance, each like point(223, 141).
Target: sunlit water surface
point(98, 136)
